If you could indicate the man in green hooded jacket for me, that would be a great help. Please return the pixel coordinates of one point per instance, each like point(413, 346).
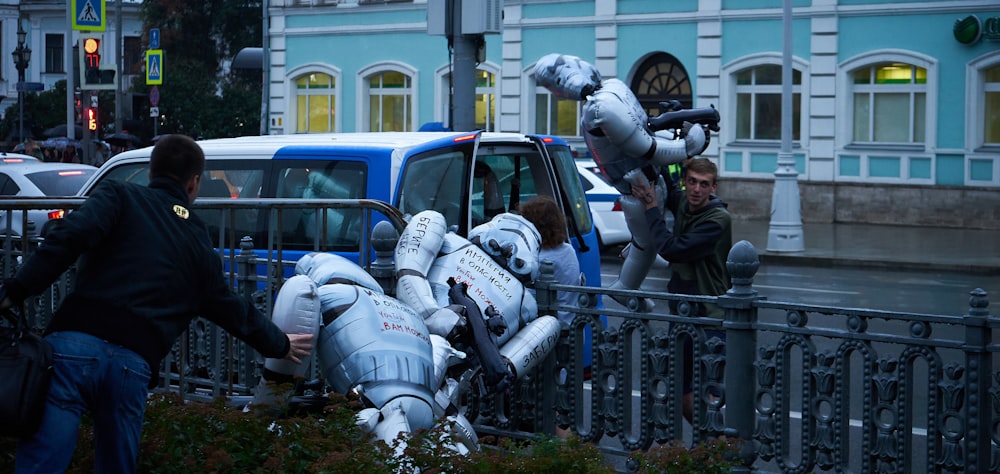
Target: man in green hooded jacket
point(697, 247)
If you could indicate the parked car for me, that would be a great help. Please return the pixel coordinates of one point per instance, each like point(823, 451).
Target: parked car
point(609, 220)
point(38, 179)
point(7, 158)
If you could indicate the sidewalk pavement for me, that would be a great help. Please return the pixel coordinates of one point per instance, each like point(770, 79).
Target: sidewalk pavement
point(886, 246)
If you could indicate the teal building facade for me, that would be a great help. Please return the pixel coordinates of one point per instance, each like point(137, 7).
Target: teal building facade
point(891, 94)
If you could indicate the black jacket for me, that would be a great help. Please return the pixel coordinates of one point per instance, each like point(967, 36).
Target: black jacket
point(697, 248)
point(146, 268)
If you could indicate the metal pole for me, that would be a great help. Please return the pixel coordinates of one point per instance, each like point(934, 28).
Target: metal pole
point(120, 53)
point(785, 232)
point(463, 74)
point(70, 78)
point(21, 64)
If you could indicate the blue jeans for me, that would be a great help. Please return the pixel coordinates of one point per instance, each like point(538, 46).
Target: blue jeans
point(89, 375)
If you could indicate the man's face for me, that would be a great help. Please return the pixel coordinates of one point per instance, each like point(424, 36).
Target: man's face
point(699, 187)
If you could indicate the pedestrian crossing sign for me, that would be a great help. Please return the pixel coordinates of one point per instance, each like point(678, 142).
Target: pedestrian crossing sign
point(154, 67)
point(88, 15)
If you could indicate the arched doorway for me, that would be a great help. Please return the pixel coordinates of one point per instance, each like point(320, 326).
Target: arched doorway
point(661, 77)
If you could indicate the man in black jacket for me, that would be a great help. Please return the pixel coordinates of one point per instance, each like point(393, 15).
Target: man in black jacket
point(697, 247)
point(146, 268)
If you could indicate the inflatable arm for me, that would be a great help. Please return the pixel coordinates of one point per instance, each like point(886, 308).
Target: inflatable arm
point(418, 246)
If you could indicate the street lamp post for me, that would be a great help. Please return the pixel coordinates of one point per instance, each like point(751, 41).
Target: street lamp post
point(22, 56)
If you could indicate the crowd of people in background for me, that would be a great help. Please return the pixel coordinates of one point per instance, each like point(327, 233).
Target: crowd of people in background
point(68, 151)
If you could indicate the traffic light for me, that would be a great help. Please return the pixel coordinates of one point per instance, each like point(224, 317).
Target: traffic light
point(92, 75)
point(90, 118)
point(91, 60)
point(90, 114)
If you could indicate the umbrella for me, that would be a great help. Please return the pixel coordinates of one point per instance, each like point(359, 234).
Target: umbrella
point(123, 139)
point(59, 143)
point(61, 131)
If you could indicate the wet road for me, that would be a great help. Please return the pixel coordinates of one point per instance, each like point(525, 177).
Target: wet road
point(912, 291)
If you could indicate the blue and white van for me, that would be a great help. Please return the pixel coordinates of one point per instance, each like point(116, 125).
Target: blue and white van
point(445, 171)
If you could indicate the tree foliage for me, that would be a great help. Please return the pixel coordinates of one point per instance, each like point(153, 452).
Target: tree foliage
point(197, 97)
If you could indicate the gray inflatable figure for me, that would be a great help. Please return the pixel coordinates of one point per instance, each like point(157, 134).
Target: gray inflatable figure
point(616, 129)
point(472, 292)
point(369, 345)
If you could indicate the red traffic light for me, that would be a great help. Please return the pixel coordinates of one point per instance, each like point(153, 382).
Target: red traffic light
point(91, 118)
point(92, 55)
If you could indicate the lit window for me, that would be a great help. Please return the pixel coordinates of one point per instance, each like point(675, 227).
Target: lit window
point(390, 102)
point(758, 103)
point(555, 116)
point(316, 100)
point(991, 119)
point(486, 100)
point(890, 103)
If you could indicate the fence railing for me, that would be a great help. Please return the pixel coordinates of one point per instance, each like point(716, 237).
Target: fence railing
point(810, 388)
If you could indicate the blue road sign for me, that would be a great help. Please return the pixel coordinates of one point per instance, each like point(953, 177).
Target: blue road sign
point(154, 67)
point(154, 38)
point(30, 86)
point(88, 15)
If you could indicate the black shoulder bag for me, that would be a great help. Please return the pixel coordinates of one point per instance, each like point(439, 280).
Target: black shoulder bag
point(25, 369)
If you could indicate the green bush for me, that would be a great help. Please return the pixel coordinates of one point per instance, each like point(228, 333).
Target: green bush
point(193, 437)
point(714, 457)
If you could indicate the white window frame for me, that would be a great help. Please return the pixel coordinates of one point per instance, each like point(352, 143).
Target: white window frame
point(441, 90)
point(846, 90)
point(292, 92)
point(729, 91)
point(975, 92)
point(364, 93)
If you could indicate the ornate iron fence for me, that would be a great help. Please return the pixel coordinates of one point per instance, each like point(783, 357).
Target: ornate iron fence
point(810, 388)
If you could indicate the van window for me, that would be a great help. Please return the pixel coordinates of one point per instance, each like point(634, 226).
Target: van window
point(518, 174)
point(570, 184)
point(434, 181)
point(232, 179)
point(137, 173)
point(330, 227)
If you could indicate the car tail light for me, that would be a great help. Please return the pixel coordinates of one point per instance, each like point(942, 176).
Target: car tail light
point(13, 160)
point(71, 173)
point(617, 206)
point(56, 214)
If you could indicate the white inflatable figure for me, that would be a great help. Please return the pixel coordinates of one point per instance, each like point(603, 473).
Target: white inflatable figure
point(472, 291)
point(616, 129)
point(367, 344)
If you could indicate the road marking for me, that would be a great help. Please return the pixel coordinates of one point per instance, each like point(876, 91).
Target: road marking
point(808, 290)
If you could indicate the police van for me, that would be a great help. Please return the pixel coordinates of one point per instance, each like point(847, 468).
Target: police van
point(468, 177)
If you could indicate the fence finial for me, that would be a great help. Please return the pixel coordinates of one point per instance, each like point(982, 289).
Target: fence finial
point(742, 264)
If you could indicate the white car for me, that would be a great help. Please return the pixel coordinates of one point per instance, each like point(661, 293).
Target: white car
point(604, 206)
point(37, 179)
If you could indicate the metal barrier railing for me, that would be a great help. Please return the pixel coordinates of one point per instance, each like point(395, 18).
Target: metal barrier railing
point(207, 362)
point(810, 388)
